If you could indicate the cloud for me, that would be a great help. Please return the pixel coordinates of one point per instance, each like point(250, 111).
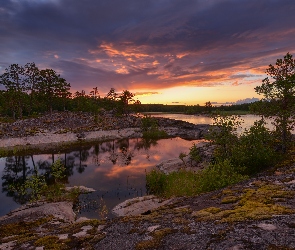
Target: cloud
point(146, 93)
point(236, 83)
point(131, 44)
point(247, 100)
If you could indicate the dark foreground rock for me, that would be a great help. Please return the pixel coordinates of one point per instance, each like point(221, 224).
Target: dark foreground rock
point(256, 214)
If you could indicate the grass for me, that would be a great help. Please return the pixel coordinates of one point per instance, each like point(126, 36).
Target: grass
point(189, 183)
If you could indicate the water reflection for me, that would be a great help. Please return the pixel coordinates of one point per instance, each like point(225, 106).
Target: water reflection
point(115, 169)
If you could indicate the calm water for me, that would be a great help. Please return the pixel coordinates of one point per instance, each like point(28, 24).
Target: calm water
point(115, 169)
point(248, 120)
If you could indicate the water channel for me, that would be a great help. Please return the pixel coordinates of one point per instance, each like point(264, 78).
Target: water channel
point(115, 169)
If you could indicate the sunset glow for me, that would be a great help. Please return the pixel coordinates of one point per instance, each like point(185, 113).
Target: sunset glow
point(170, 52)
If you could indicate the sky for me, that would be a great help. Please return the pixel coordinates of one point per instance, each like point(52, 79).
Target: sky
point(165, 51)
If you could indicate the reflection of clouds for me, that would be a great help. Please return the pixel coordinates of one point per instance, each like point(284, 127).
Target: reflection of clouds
point(164, 150)
point(131, 170)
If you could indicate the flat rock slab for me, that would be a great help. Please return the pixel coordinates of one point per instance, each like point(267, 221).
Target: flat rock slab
point(268, 227)
point(82, 189)
point(60, 210)
point(139, 205)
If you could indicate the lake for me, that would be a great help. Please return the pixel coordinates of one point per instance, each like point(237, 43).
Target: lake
point(115, 169)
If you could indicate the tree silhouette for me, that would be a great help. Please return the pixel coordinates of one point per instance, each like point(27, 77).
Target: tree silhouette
point(279, 98)
point(52, 86)
point(14, 81)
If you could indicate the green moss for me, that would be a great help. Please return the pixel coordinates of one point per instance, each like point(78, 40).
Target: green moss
point(50, 242)
point(21, 232)
point(252, 205)
point(187, 230)
point(22, 228)
point(227, 191)
point(76, 227)
point(230, 199)
point(180, 220)
point(157, 237)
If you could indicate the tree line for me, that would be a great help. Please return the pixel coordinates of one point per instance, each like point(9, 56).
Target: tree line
point(29, 90)
point(191, 109)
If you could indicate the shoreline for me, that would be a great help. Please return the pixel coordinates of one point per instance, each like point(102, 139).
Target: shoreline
point(51, 140)
point(69, 128)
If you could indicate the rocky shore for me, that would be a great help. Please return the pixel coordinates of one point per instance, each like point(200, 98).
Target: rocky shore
point(256, 214)
point(68, 127)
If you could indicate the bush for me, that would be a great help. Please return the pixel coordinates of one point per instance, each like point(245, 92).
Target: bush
point(223, 134)
point(150, 128)
point(194, 153)
point(219, 175)
point(189, 183)
point(255, 150)
point(156, 181)
point(35, 187)
point(58, 170)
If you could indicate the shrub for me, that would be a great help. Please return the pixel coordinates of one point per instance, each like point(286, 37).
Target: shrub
point(223, 134)
point(150, 128)
point(194, 153)
point(252, 151)
point(156, 180)
point(218, 175)
point(189, 183)
point(255, 150)
point(58, 170)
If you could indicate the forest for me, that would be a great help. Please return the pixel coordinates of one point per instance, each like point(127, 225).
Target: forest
point(27, 91)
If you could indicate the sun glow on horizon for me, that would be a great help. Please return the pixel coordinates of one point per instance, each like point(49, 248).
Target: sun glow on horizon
point(198, 95)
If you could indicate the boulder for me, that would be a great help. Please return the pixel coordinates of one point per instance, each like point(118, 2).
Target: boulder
point(31, 212)
point(139, 205)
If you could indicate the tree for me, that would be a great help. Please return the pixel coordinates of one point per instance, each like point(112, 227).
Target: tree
point(32, 74)
point(279, 98)
point(110, 99)
point(208, 107)
point(52, 86)
point(13, 81)
point(224, 134)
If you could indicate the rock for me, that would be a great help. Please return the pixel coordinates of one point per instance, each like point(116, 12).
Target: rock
point(187, 162)
point(80, 234)
point(83, 232)
point(8, 245)
point(100, 228)
point(171, 165)
point(82, 189)
point(63, 236)
point(152, 228)
point(139, 205)
point(268, 227)
point(81, 219)
point(60, 210)
point(86, 228)
point(189, 134)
